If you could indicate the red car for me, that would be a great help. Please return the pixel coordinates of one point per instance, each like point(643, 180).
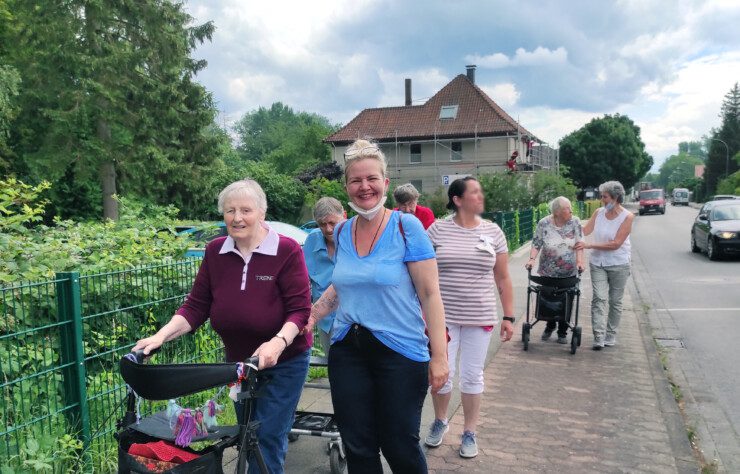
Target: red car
point(652, 200)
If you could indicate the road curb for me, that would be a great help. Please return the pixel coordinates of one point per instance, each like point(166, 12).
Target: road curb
point(677, 423)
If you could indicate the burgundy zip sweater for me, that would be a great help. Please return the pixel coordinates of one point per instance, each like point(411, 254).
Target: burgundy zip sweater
point(248, 302)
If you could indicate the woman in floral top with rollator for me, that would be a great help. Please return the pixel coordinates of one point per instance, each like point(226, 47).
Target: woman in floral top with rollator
point(555, 239)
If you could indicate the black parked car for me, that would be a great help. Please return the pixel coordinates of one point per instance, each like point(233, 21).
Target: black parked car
point(717, 229)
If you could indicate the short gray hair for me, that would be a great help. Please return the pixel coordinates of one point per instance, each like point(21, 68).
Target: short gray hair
point(405, 193)
point(327, 206)
point(559, 203)
point(613, 189)
point(248, 188)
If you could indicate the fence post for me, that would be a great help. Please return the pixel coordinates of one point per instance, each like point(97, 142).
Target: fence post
point(69, 304)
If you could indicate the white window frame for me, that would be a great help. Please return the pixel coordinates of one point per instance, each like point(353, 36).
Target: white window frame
point(448, 112)
point(418, 184)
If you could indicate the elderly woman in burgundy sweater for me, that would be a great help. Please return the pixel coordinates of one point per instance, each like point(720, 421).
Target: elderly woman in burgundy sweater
point(254, 287)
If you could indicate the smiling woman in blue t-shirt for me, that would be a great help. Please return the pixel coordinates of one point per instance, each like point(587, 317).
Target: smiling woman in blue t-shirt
point(379, 363)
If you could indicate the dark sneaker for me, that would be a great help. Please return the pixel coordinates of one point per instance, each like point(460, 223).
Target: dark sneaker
point(468, 445)
point(546, 335)
point(436, 433)
point(598, 343)
point(611, 340)
point(562, 340)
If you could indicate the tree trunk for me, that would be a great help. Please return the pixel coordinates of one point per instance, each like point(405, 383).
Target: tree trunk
point(108, 181)
point(107, 175)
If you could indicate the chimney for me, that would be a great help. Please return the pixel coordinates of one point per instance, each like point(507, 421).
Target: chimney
point(408, 91)
point(471, 72)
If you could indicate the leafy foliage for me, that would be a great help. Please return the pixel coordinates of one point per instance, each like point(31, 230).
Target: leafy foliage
point(436, 201)
point(291, 142)
point(108, 97)
point(511, 191)
point(34, 251)
point(607, 148)
point(677, 170)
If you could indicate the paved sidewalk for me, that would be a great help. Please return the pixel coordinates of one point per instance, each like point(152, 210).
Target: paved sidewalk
point(545, 410)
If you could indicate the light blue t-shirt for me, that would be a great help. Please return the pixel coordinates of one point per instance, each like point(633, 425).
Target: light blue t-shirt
point(320, 268)
point(376, 291)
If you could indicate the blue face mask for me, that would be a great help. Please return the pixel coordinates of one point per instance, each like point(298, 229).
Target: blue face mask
point(609, 206)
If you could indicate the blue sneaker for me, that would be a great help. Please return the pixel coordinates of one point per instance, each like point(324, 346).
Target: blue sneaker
point(436, 433)
point(468, 445)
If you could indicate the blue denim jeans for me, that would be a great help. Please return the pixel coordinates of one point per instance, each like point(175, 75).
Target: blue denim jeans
point(377, 396)
point(608, 284)
point(275, 409)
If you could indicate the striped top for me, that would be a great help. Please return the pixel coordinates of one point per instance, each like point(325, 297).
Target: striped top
point(465, 258)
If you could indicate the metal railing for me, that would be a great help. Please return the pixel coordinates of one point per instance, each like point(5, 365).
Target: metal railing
point(60, 345)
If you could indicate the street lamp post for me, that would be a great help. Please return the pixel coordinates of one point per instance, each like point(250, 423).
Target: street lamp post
point(727, 156)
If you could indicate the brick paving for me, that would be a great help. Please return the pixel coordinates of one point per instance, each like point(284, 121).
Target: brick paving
point(545, 410)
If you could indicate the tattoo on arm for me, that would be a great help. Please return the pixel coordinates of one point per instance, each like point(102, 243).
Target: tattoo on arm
point(324, 306)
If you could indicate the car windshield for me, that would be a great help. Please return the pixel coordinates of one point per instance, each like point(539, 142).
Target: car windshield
point(650, 194)
point(726, 213)
point(681, 193)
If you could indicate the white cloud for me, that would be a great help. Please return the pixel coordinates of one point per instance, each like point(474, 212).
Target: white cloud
point(505, 94)
point(539, 56)
point(690, 104)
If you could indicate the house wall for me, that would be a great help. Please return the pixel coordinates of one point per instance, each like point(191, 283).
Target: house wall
point(488, 156)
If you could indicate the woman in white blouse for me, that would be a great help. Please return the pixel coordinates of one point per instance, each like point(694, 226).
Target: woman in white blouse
point(609, 262)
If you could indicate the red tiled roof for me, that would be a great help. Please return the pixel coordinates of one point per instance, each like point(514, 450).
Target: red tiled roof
point(476, 113)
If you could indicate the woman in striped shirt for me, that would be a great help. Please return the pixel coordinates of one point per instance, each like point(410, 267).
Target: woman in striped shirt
point(472, 255)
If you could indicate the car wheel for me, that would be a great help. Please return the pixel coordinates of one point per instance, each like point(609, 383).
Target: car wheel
point(712, 250)
point(694, 248)
point(642, 212)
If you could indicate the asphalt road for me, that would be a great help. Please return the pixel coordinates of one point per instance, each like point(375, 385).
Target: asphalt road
point(694, 308)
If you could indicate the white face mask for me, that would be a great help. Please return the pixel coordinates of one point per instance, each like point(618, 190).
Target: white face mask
point(370, 213)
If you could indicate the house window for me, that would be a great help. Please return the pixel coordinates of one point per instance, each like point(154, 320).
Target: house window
point(416, 183)
point(456, 151)
point(415, 153)
point(448, 112)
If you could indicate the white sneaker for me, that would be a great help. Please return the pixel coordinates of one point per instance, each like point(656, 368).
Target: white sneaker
point(611, 340)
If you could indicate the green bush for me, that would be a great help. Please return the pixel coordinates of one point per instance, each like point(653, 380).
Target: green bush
point(436, 201)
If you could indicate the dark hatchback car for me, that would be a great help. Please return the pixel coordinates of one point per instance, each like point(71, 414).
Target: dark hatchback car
point(717, 229)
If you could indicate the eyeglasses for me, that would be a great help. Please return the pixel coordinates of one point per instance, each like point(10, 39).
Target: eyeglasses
point(368, 150)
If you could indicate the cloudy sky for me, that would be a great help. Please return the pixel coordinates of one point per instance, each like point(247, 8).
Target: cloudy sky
point(667, 64)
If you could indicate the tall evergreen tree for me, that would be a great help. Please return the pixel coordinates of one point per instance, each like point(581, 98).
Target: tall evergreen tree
point(719, 161)
point(108, 94)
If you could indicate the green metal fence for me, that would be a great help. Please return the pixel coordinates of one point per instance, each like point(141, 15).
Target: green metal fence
point(60, 344)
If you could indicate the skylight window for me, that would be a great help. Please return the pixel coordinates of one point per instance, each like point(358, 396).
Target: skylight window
point(448, 112)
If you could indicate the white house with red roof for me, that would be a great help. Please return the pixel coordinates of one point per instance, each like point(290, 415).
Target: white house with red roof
point(460, 131)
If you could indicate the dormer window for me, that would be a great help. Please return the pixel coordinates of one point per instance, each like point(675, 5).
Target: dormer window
point(448, 112)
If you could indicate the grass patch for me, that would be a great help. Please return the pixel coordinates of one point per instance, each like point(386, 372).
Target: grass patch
point(317, 373)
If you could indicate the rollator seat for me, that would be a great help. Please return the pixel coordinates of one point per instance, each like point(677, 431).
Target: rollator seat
point(554, 282)
point(166, 381)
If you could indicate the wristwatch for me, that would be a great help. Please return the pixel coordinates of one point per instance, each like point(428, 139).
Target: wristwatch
point(511, 319)
point(283, 338)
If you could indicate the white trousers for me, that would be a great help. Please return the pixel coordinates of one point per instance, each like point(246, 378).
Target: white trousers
point(471, 344)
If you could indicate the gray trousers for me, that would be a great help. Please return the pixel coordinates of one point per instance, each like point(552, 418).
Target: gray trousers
point(608, 285)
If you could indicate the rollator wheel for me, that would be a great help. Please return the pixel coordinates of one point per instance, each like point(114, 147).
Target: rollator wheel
point(292, 437)
point(525, 335)
point(577, 332)
point(337, 462)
